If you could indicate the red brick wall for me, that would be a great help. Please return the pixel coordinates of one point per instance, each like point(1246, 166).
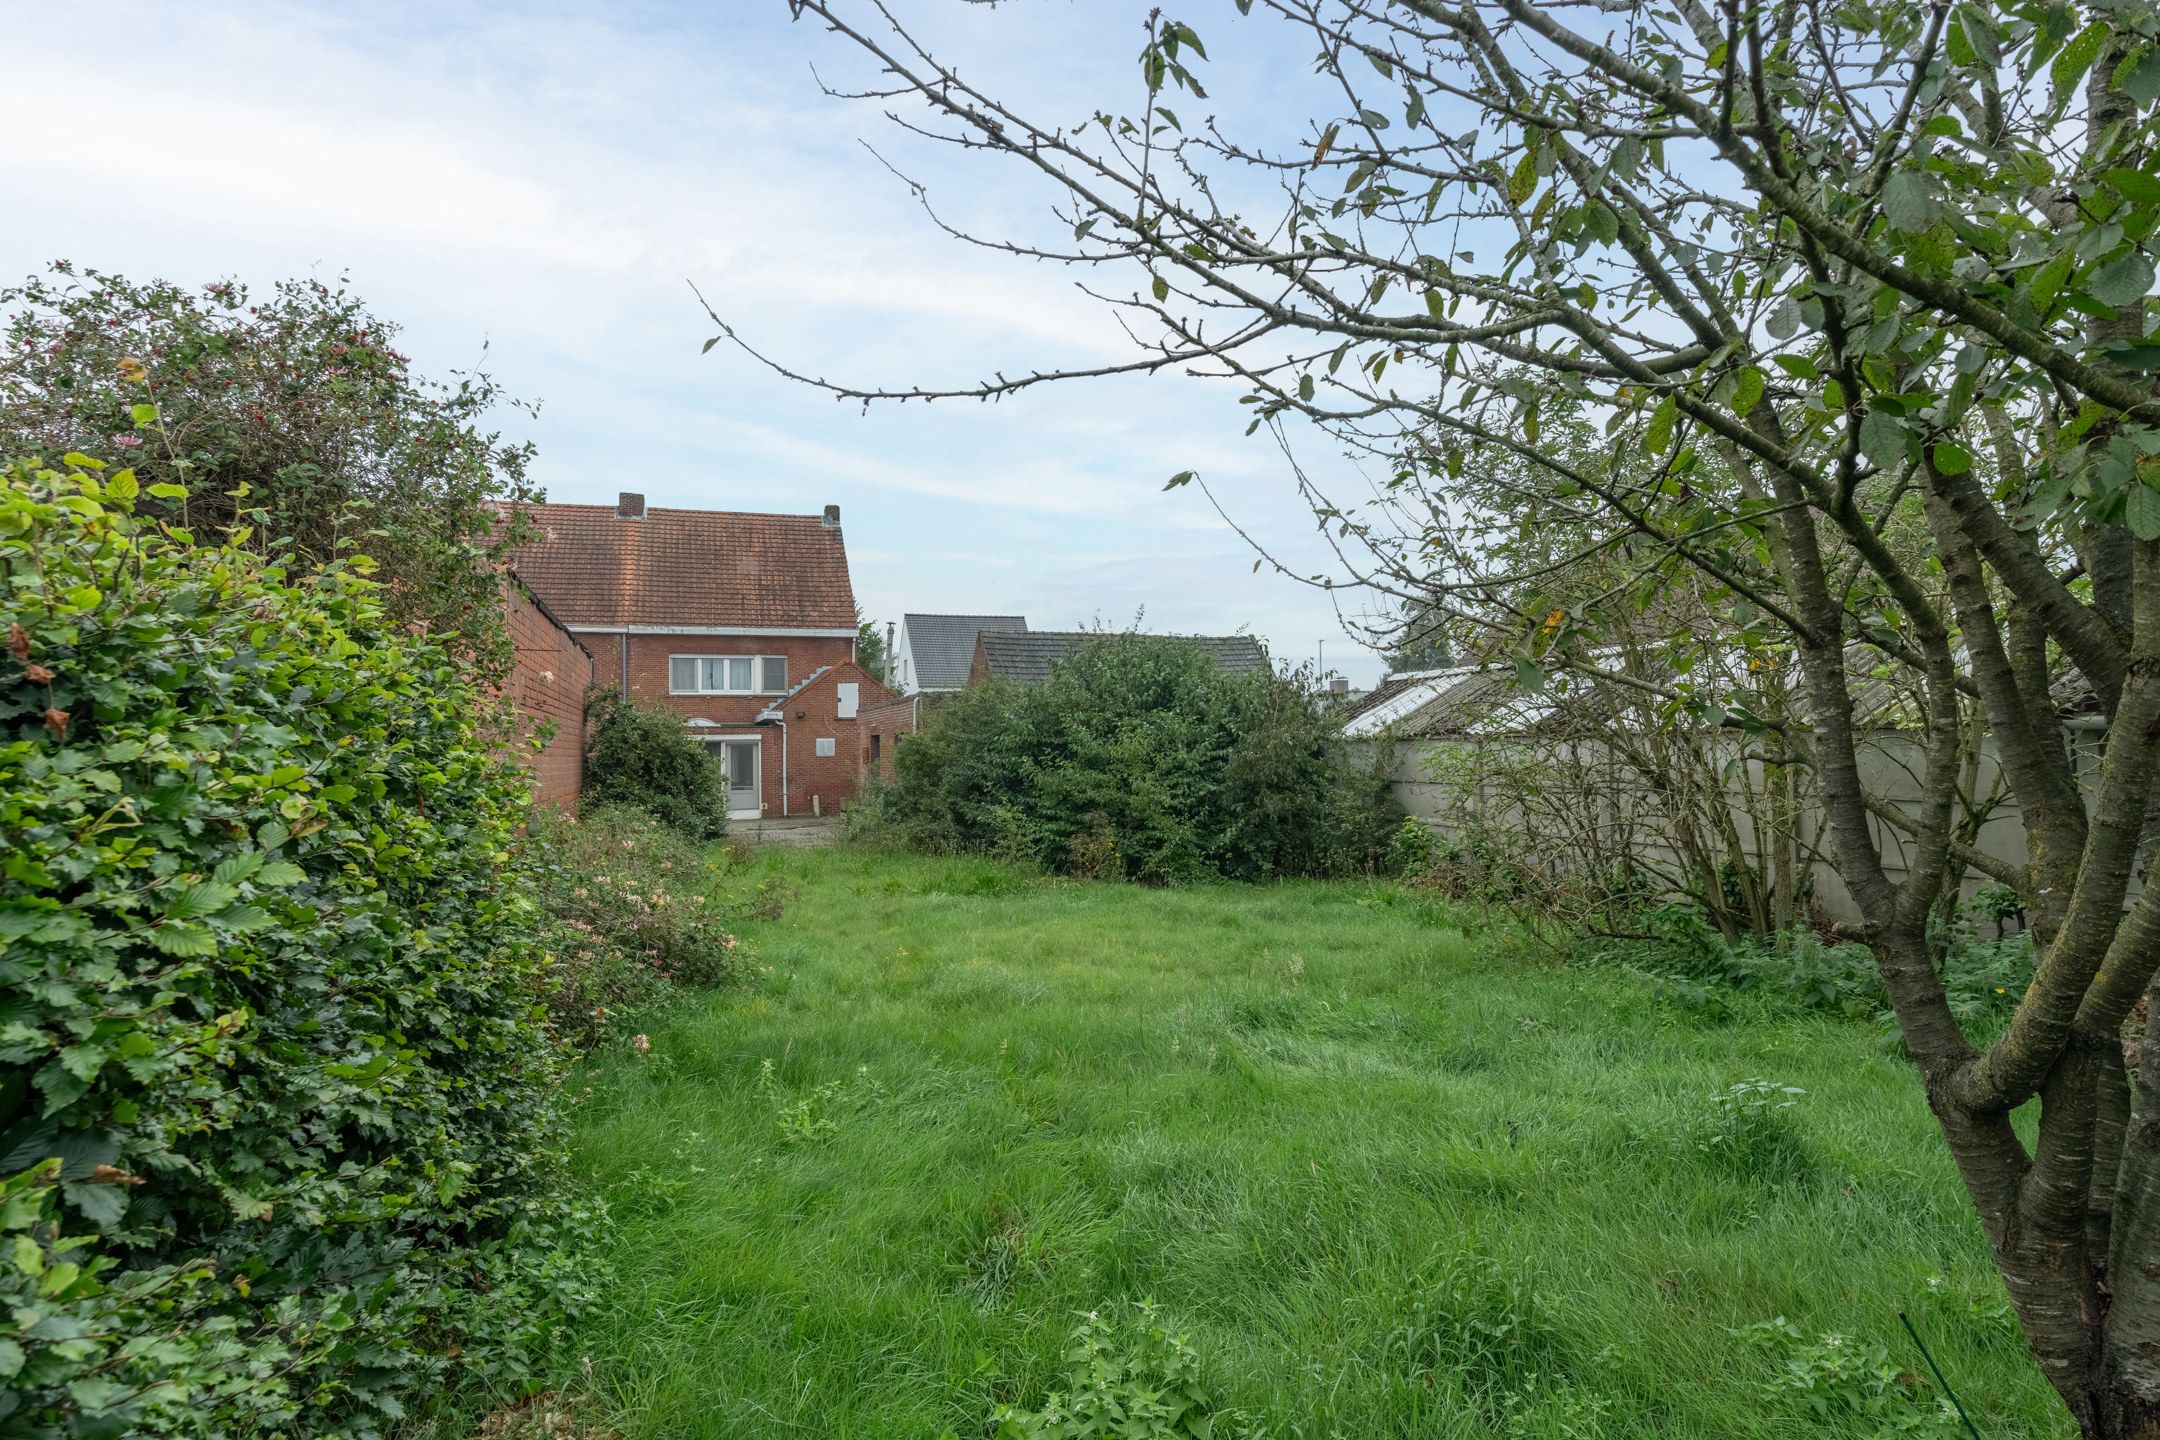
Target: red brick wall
point(885, 724)
point(547, 684)
point(814, 782)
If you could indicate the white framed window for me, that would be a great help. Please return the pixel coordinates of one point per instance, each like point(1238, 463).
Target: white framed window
point(727, 674)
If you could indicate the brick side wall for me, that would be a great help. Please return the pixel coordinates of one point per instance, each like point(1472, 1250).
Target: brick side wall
point(547, 688)
point(880, 730)
point(814, 782)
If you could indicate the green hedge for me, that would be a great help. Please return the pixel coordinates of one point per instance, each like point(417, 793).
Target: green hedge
point(1140, 759)
point(278, 1103)
point(642, 757)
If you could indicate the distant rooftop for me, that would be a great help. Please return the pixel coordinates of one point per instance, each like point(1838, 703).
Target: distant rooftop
point(942, 647)
point(1027, 657)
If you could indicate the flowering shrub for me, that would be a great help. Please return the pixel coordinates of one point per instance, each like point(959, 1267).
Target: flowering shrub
point(278, 1103)
point(635, 910)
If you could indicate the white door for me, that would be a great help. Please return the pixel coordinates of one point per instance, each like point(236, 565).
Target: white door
point(739, 762)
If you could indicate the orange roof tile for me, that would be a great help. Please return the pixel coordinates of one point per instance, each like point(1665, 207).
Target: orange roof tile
point(718, 568)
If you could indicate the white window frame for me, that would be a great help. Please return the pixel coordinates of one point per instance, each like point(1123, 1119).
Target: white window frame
point(757, 675)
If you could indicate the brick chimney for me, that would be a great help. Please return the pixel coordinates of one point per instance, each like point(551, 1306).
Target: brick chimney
point(832, 517)
point(630, 505)
point(1338, 686)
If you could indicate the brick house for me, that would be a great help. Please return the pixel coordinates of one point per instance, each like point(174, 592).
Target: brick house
point(550, 671)
point(744, 624)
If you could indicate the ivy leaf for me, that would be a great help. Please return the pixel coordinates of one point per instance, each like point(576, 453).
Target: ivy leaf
point(2125, 280)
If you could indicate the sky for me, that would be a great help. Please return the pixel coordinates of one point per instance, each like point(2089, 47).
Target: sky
point(536, 187)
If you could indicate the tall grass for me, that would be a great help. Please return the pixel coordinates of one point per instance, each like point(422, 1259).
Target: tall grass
point(1384, 1180)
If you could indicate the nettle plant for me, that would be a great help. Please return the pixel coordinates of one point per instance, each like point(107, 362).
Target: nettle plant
point(1857, 299)
point(277, 1102)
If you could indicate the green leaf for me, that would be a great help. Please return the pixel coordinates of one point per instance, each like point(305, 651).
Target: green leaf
point(2125, 280)
point(1305, 387)
point(1183, 477)
point(1657, 436)
point(2141, 511)
point(1161, 288)
point(1908, 203)
point(1747, 391)
point(197, 900)
point(143, 414)
point(2076, 58)
point(1523, 182)
point(1882, 439)
point(1800, 367)
point(1528, 675)
point(1950, 459)
point(284, 872)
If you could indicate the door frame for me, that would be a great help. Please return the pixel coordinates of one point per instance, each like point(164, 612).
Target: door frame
point(717, 743)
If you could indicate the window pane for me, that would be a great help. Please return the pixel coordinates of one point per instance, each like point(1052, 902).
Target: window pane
point(681, 674)
point(775, 674)
point(738, 674)
point(715, 678)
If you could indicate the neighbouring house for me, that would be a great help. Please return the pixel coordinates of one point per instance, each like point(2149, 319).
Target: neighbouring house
point(933, 652)
point(1026, 657)
point(550, 670)
point(744, 624)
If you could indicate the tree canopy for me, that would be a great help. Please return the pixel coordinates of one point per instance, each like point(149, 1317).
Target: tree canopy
point(1855, 302)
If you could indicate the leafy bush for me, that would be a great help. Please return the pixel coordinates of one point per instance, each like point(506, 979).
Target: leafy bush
point(1848, 1387)
point(1748, 1128)
point(1136, 1382)
point(295, 407)
point(642, 757)
point(268, 993)
point(636, 912)
point(1140, 759)
point(1474, 1332)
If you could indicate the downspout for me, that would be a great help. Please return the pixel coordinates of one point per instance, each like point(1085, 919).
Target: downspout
point(783, 767)
point(623, 641)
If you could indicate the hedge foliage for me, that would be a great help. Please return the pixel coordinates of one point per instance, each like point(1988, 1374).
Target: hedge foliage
point(640, 756)
point(294, 404)
point(278, 1101)
point(1140, 759)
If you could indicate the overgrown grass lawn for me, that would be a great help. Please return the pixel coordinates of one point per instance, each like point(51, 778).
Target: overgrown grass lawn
point(1389, 1179)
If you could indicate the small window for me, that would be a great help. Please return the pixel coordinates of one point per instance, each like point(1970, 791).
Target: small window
point(775, 678)
point(682, 677)
point(826, 745)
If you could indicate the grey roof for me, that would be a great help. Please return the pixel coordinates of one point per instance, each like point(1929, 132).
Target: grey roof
point(1028, 657)
point(942, 647)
